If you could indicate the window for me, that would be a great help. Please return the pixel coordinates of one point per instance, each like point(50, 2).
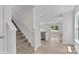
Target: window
point(54, 27)
point(77, 27)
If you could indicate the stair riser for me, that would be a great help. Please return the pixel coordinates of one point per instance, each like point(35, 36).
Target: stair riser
point(24, 41)
point(20, 38)
point(18, 31)
point(19, 35)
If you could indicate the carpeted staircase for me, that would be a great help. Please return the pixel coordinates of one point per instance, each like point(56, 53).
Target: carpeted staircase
point(22, 44)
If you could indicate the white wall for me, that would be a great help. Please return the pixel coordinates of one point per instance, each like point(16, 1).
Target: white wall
point(26, 13)
point(1, 20)
point(46, 27)
point(23, 16)
point(68, 28)
point(6, 16)
point(8, 46)
point(1, 29)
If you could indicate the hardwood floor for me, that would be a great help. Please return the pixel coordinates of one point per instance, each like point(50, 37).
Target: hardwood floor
point(52, 46)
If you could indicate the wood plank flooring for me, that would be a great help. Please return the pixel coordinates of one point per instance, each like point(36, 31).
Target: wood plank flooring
point(52, 46)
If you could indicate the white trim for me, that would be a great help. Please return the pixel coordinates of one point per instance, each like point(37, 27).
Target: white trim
point(35, 49)
point(77, 41)
point(69, 49)
point(12, 27)
point(11, 36)
point(77, 13)
point(3, 52)
point(76, 28)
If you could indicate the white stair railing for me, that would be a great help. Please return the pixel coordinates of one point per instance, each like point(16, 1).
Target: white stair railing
point(10, 37)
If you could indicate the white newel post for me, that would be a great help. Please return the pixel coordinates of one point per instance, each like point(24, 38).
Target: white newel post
point(14, 42)
point(10, 38)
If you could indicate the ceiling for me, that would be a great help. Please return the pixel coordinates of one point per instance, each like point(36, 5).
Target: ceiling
point(50, 12)
point(55, 9)
point(47, 10)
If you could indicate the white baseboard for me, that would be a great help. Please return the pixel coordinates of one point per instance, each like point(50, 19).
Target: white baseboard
point(35, 49)
point(3, 52)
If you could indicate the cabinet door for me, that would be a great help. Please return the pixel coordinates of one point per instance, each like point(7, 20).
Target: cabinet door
point(1, 20)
